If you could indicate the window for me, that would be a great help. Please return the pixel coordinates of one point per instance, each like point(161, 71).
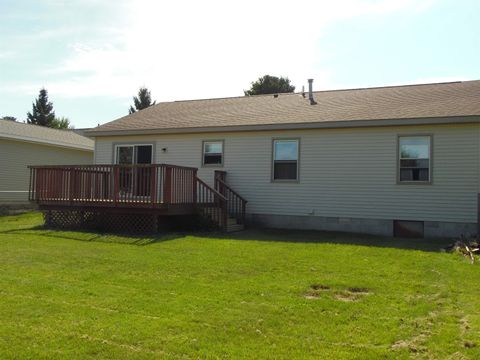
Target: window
point(212, 153)
point(414, 158)
point(285, 159)
point(133, 154)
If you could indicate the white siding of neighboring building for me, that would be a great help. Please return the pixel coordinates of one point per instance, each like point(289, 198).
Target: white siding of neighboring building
point(349, 173)
point(15, 156)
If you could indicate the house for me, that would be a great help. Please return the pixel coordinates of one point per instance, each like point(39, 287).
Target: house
point(23, 144)
point(397, 160)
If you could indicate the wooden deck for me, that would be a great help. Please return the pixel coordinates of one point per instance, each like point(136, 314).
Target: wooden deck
point(151, 189)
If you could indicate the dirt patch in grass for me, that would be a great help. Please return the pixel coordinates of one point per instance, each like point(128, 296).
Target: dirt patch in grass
point(319, 287)
point(314, 292)
point(469, 344)
point(311, 296)
point(347, 296)
point(352, 294)
point(358, 290)
point(417, 343)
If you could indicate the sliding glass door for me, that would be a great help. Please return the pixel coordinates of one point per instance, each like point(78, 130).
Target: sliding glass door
point(134, 180)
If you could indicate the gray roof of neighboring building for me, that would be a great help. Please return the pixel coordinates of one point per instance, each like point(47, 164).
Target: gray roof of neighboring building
point(44, 135)
point(408, 104)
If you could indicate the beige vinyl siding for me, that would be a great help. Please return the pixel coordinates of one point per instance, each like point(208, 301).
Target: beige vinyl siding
point(15, 156)
point(349, 173)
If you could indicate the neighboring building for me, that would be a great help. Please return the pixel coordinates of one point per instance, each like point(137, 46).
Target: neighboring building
point(23, 144)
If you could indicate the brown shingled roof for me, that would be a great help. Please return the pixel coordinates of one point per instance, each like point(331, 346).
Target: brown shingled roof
point(440, 100)
point(41, 134)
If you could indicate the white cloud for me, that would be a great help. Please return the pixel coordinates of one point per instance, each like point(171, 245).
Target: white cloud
point(192, 49)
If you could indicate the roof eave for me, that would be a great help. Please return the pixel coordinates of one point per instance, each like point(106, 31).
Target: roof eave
point(49, 143)
point(294, 126)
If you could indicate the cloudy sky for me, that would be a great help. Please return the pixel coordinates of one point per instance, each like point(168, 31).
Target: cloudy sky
point(93, 55)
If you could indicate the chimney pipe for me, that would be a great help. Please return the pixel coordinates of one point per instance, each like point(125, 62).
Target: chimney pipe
point(310, 92)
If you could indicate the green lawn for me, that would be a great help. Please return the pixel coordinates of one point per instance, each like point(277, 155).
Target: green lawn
point(256, 294)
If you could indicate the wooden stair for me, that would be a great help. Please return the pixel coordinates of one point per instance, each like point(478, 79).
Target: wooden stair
point(234, 226)
point(212, 214)
point(221, 206)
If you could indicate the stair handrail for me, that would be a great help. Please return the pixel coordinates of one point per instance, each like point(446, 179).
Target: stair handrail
point(221, 219)
point(235, 205)
point(216, 192)
point(230, 189)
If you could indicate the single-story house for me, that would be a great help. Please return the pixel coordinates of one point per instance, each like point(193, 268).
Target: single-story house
point(396, 160)
point(22, 145)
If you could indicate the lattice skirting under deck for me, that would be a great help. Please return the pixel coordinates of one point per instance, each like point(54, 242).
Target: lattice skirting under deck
point(99, 220)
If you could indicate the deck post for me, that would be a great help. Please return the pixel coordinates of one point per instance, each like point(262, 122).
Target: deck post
point(224, 215)
point(72, 184)
point(115, 185)
point(167, 191)
point(153, 185)
point(194, 186)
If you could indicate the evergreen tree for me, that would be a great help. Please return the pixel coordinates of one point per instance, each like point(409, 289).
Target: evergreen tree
point(142, 101)
point(10, 118)
point(42, 111)
point(270, 85)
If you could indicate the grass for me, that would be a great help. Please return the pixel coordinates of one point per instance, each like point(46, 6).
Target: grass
point(257, 294)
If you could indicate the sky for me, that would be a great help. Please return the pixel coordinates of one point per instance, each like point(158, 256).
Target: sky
point(93, 55)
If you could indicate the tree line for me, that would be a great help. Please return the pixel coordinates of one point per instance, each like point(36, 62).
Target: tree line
point(43, 113)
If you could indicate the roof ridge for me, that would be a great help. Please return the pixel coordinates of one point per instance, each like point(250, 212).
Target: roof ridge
point(396, 86)
point(316, 91)
point(232, 97)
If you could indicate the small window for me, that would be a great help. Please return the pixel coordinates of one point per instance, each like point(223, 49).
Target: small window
point(414, 158)
point(213, 153)
point(285, 159)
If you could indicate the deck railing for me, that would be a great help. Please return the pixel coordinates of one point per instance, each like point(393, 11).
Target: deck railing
point(155, 186)
point(113, 185)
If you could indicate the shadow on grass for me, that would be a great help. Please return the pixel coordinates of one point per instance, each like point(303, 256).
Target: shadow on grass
point(329, 237)
point(268, 235)
point(92, 236)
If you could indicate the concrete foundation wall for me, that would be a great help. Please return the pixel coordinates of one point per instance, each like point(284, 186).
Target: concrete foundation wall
point(384, 227)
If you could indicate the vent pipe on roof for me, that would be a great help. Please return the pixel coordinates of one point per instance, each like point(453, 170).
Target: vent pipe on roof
point(310, 92)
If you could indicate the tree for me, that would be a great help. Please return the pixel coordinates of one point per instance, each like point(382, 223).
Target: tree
point(61, 123)
point(10, 118)
point(42, 111)
point(270, 85)
point(142, 101)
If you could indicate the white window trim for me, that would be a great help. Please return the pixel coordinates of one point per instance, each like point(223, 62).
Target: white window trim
point(430, 162)
point(205, 142)
point(297, 179)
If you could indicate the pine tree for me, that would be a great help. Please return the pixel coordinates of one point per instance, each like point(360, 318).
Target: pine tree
point(42, 111)
point(142, 101)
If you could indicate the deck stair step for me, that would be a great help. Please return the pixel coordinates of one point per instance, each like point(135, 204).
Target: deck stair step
point(235, 227)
